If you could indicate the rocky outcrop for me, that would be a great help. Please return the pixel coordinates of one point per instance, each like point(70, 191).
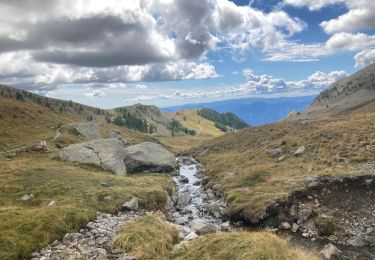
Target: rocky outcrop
point(89, 130)
point(107, 153)
point(149, 157)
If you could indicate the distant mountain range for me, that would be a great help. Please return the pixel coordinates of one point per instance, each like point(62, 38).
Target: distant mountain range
point(255, 111)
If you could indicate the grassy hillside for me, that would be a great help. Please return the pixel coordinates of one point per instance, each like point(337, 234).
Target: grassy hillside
point(335, 147)
point(205, 130)
point(355, 93)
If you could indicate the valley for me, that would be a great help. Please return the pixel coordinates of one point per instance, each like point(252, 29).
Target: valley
point(139, 183)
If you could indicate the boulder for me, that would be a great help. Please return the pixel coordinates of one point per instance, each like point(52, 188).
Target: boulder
point(330, 252)
point(316, 181)
point(149, 157)
point(203, 228)
point(89, 130)
point(131, 205)
point(301, 150)
point(274, 152)
point(108, 153)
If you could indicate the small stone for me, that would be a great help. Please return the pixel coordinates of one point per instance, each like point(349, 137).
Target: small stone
point(131, 205)
point(301, 150)
point(228, 174)
point(106, 184)
point(295, 227)
point(51, 203)
point(27, 197)
point(184, 179)
point(274, 152)
point(281, 158)
point(225, 226)
point(285, 225)
point(197, 183)
point(191, 236)
point(329, 251)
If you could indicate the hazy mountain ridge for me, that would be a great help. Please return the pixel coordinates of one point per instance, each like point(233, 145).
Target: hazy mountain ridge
point(254, 111)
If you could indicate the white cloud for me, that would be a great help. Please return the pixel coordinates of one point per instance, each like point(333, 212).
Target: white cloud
point(313, 5)
point(360, 16)
point(365, 58)
point(351, 42)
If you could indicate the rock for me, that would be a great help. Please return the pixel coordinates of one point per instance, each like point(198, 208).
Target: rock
point(187, 160)
point(285, 225)
point(370, 240)
point(213, 207)
point(274, 152)
point(330, 251)
point(184, 179)
point(281, 158)
point(180, 247)
point(304, 214)
point(149, 157)
point(316, 181)
point(357, 241)
point(10, 155)
point(203, 228)
point(106, 184)
point(301, 150)
point(27, 197)
point(89, 130)
point(191, 236)
point(216, 187)
point(183, 198)
point(225, 226)
point(131, 205)
point(108, 153)
point(295, 227)
point(51, 203)
point(197, 183)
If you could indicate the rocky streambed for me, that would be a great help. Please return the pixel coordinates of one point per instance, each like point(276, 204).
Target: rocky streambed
point(192, 209)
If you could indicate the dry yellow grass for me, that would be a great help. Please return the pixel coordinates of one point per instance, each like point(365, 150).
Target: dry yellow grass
point(243, 246)
point(77, 190)
point(149, 237)
point(334, 147)
point(25, 123)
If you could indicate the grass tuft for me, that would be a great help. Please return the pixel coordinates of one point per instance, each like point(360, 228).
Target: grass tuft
point(149, 237)
point(243, 246)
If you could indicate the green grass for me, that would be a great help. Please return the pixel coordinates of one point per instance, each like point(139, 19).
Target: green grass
point(31, 225)
point(149, 237)
point(243, 246)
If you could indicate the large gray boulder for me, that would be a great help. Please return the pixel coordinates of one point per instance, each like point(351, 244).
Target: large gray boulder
point(149, 157)
point(108, 153)
point(89, 130)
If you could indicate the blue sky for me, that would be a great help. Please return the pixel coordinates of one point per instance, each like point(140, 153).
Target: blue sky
point(171, 52)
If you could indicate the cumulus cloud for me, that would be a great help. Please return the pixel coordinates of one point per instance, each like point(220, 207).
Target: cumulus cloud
point(255, 84)
point(351, 42)
point(141, 86)
point(312, 5)
point(270, 84)
point(365, 58)
point(95, 93)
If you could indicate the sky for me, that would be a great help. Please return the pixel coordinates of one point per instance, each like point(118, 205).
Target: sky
point(170, 52)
